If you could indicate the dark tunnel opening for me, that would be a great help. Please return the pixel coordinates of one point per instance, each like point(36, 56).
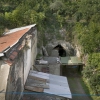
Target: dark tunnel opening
point(61, 50)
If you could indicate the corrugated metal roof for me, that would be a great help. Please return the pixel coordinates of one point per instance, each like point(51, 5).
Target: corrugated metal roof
point(71, 61)
point(64, 60)
point(58, 85)
point(75, 60)
point(39, 74)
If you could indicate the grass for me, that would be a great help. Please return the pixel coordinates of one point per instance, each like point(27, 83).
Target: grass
point(77, 89)
point(85, 87)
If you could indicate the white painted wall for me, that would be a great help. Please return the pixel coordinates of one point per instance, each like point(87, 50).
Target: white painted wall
point(29, 57)
point(4, 72)
point(34, 50)
point(27, 61)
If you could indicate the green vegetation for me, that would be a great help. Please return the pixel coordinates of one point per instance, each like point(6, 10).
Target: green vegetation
point(80, 19)
point(91, 74)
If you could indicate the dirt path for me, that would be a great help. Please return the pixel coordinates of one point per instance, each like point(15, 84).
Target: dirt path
point(78, 92)
point(76, 88)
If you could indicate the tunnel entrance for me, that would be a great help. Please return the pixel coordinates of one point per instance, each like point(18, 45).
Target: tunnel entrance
point(61, 50)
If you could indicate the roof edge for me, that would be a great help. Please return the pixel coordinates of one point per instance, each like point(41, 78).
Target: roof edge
point(1, 54)
point(18, 29)
point(12, 31)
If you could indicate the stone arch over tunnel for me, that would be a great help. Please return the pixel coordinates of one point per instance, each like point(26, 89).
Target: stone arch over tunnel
point(61, 50)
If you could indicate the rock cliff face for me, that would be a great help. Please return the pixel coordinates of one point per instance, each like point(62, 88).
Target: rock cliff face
point(80, 54)
point(59, 47)
point(78, 51)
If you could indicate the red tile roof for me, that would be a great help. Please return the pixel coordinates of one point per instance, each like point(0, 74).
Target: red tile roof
point(10, 39)
point(9, 62)
point(13, 55)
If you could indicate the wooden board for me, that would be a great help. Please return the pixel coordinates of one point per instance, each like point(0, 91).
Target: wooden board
point(37, 78)
point(35, 89)
point(44, 86)
point(36, 83)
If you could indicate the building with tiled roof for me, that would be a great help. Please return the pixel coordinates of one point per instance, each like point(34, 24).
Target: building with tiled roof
point(18, 49)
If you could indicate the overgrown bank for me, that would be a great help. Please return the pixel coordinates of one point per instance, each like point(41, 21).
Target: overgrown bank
point(79, 19)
